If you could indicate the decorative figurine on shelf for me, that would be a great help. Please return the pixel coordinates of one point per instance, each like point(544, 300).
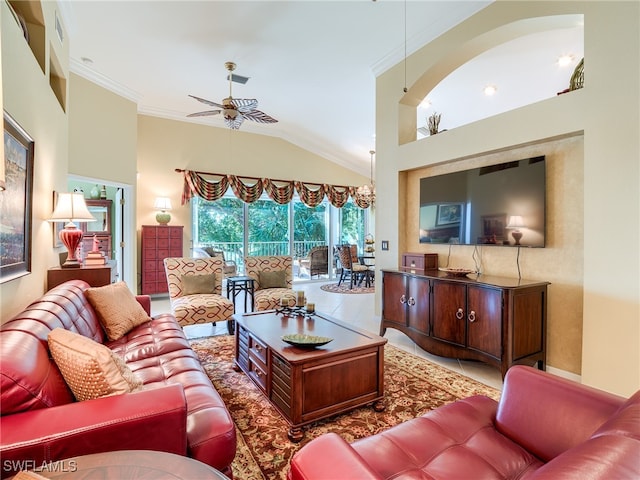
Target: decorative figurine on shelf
point(96, 244)
point(103, 192)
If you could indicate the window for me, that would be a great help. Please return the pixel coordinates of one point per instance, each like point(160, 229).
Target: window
point(267, 228)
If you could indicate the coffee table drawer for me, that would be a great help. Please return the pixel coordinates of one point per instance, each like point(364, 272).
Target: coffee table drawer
point(258, 373)
point(257, 349)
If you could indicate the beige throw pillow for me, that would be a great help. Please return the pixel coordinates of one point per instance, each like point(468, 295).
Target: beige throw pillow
point(117, 309)
point(272, 279)
point(194, 284)
point(90, 369)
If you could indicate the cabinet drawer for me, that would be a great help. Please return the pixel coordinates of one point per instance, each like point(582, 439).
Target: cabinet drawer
point(258, 373)
point(258, 349)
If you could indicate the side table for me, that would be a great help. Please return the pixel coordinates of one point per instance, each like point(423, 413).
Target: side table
point(236, 285)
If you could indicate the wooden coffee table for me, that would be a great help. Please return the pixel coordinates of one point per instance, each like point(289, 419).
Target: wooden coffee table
point(308, 384)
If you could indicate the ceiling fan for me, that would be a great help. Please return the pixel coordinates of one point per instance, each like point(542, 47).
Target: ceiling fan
point(234, 110)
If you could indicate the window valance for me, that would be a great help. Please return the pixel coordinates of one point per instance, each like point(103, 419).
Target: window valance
point(249, 189)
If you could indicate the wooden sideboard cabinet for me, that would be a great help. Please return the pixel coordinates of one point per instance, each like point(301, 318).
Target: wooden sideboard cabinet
point(500, 321)
point(158, 243)
point(94, 275)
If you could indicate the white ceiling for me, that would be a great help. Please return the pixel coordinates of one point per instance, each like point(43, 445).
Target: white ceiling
point(312, 64)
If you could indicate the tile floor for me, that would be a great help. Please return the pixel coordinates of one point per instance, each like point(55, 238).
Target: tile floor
point(359, 310)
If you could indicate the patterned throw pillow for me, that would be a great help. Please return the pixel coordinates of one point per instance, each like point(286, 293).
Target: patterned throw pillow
point(90, 369)
point(117, 309)
point(272, 279)
point(195, 284)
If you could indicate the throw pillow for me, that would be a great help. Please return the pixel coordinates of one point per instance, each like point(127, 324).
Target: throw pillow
point(117, 309)
point(272, 279)
point(194, 284)
point(90, 369)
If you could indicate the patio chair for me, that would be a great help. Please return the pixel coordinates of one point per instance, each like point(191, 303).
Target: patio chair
point(273, 277)
point(230, 268)
point(351, 267)
point(195, 291)
point(317, 261)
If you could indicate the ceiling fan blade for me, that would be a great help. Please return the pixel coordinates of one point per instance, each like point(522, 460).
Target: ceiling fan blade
point(245, 104)
point(234, 123)
point(208, 102)
point(205, 113)
point(258, 116)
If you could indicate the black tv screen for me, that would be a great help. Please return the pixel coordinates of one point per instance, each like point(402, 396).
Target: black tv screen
point(500, 204)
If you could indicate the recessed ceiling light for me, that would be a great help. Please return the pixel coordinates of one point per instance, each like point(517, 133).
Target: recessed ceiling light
point(565, 60)
point(490, 90)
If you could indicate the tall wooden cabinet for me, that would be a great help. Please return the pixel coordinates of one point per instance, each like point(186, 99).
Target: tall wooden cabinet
point(158, 243)
point(499, 321)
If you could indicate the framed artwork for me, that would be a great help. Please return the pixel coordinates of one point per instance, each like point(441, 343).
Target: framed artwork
point(449, 214)
point(16, 202)
point(57, 226)
point(493, 228)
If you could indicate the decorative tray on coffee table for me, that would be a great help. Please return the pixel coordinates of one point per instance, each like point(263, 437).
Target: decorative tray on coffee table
point(305, 341)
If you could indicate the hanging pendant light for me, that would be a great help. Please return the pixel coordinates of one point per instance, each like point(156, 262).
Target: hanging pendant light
point(368, 192)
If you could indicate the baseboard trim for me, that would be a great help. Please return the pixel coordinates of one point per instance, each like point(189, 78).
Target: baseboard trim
point(564, 374)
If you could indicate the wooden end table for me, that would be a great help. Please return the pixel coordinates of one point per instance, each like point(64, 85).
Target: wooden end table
point(309, 384)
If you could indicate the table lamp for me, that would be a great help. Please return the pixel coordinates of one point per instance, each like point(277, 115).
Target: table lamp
point(71, 208)
point(515, 221)
point(163, 204)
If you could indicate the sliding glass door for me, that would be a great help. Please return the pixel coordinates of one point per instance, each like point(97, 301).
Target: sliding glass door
point(267, 228)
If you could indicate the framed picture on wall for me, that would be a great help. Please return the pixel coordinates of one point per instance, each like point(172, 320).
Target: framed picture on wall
point(16, 202)
point(449, 214)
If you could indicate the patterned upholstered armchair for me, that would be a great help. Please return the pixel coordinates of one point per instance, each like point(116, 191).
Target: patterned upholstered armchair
point(195, 290)
point(273, 277)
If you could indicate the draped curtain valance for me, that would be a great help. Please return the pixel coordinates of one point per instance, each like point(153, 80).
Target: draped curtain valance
point(249, 189)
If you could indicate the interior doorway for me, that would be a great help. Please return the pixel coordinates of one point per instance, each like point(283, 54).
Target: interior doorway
point(123, 245)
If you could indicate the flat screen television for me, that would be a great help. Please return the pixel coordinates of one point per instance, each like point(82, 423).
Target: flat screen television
point(500, 204)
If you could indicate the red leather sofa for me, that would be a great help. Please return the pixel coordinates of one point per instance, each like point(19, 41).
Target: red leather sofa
point(177, 411)
point(544, 427)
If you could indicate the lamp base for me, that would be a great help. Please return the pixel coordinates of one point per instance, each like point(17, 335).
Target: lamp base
point(163, 218)
point(517, 235)
point(71, 236)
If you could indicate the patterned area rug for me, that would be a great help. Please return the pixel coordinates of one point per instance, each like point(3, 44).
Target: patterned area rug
point(413, 386)
point(344, 288)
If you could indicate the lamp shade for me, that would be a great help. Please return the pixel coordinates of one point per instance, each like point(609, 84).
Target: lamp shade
point(515, 221)
point(162, 203)
point(71, 207)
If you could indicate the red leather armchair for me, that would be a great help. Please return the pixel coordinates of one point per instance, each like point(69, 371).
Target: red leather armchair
point(544, 427)
point(178, 410)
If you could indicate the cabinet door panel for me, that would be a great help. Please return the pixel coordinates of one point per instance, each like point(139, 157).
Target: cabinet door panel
point(449, 315)
point(418, 303)
point(393, 308)
point(485, 320)
point(528, 336)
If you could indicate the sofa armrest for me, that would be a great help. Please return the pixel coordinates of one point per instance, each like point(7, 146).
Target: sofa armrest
point(145, 301)
point(547, 414)
point(153, 419)
point(329, 457)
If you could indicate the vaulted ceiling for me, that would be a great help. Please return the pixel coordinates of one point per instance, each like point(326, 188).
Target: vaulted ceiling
point(311, 64)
